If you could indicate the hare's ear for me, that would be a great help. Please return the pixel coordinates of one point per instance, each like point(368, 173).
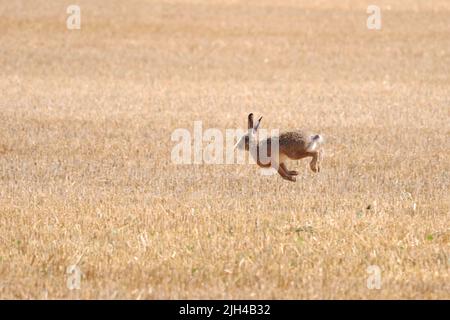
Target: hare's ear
point(257, 125)
point(250, 121)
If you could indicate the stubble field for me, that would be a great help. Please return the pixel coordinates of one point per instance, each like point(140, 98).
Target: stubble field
point(86, 177)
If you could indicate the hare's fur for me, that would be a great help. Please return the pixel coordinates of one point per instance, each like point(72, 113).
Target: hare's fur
point(293, 145)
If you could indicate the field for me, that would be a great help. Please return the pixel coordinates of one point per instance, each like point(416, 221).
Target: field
point(86, 176)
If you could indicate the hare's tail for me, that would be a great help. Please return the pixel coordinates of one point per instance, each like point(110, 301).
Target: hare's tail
point(315, 143)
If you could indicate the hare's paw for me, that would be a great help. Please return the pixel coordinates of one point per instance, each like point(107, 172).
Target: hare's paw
point(314, 166)
point(291, 178)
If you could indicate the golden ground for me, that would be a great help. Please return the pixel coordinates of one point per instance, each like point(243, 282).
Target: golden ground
point(86, 176)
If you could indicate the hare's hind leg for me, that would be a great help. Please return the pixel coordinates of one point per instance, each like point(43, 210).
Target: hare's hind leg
point(289, 172)
point(284, 173)
point(315, 162)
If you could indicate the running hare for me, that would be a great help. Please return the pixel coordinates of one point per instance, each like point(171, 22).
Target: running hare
point(292, 145)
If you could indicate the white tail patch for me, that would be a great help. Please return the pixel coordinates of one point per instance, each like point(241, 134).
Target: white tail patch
point(316, 141)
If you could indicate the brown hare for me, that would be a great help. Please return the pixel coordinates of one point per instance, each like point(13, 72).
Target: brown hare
point(292, 145)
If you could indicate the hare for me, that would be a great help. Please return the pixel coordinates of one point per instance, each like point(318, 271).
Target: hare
point(293, 145)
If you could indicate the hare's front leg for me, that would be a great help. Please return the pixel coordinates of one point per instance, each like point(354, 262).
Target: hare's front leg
point(315, 162)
